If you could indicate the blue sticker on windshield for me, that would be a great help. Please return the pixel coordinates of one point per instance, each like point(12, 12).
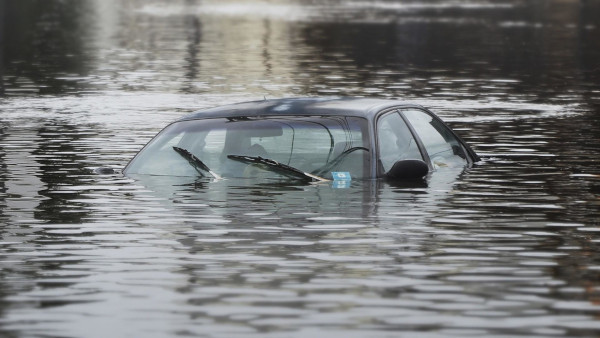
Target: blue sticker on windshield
point(340, 184)
point(341, 176)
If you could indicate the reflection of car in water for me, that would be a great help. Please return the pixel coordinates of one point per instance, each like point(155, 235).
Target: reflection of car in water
point(309, 139)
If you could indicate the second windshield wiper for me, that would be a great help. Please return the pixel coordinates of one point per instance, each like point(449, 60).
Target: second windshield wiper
point(196, 162)
point(329, 166)
point(277, 167)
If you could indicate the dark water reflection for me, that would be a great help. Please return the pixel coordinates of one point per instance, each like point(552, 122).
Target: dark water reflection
point(507, 248)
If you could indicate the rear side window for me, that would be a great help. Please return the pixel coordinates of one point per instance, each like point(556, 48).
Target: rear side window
point(442, 146)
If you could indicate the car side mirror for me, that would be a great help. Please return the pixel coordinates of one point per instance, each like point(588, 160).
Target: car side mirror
point(408, 170)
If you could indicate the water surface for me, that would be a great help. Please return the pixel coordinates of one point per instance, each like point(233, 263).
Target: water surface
point(507, 248)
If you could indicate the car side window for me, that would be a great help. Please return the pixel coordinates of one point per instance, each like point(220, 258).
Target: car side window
point(442, 146)
point(395, 141)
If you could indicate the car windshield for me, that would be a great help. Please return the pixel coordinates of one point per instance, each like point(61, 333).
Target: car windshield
point(315, 145)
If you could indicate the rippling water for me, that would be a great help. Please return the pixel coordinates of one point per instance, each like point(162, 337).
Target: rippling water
point(507, 248)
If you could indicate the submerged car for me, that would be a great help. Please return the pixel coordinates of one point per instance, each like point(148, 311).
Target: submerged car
point(311, 139)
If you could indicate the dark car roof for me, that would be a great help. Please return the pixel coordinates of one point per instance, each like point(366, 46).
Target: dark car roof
point(348, 106)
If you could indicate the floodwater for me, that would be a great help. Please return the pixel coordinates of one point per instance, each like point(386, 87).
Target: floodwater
point(507, 248)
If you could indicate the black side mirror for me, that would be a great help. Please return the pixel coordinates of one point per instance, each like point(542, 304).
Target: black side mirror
point(408, 170)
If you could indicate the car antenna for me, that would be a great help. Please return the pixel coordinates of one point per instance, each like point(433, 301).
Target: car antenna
point(265, 97)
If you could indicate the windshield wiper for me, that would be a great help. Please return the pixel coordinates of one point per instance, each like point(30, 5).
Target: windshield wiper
point(196, 162)
point(277, 167)
point(337, 160)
